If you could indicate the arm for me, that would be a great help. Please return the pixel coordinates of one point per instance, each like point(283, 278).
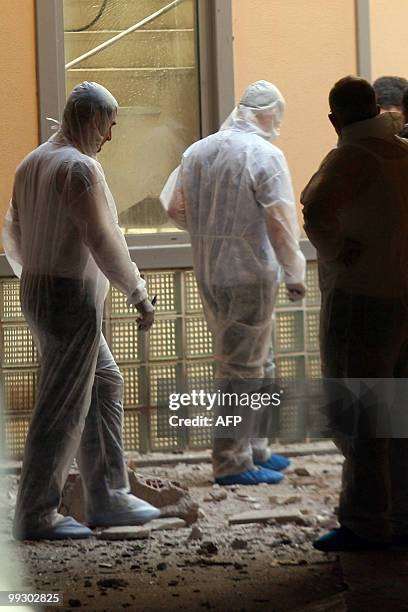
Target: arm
point(323, 200)
point(173, 199)
point(343, 176)
point(177, 209)
point(274, 192)
point(89, 210)
point(12, 237)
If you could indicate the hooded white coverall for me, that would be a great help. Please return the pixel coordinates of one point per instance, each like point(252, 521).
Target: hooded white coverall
point(356, 215)
point(62, 238)
point(233, 194)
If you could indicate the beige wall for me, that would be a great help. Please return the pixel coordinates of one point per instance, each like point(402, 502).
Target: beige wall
point(18, 91)
point(303, 47)
point(389, 40)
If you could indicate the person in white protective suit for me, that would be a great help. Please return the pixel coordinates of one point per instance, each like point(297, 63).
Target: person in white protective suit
point(233, 194)
point(356, 215)
point(62, 239)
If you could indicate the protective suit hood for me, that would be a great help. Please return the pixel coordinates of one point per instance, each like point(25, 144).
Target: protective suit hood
point(260, 110)
point(87, 117)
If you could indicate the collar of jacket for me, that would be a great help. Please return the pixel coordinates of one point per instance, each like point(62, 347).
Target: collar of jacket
point(384, 126)
point(61, 139)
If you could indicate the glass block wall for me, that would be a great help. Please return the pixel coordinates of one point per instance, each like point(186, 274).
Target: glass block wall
point(179, 348)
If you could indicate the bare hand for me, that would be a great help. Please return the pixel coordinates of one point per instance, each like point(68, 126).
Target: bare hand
point(146, 320)
point(296, 291)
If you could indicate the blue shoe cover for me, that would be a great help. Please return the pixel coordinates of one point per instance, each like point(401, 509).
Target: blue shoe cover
point(251, 477)
point(277, 463)
point(126, 510)
point(342, 539)
point(66, 528)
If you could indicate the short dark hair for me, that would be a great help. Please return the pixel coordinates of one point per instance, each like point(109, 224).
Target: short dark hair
point(389, 90)
point(404, 102)
point(352, 99)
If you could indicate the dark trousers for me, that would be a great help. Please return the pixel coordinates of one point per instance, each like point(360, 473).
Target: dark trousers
point(366, 338)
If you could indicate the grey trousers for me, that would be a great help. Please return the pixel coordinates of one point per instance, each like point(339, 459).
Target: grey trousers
point(240, 319)
point(79, 404)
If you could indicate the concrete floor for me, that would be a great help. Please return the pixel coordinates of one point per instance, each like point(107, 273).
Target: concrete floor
point(270, 567)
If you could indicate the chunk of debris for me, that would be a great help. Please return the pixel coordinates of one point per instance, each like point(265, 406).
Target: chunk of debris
point(161, 566)
point(136, 532)
point(74, 603)
point(217, 495)
point(195, 534)
point(170, 496)
point(140, 532)
point(239, 544)
point(292, 499)
point(112, 583)
point(208, 548)
point(301, 471)
point(185, 509)
point(159, 492)
point(264, 516)
point(285, 501)
point(163, 524)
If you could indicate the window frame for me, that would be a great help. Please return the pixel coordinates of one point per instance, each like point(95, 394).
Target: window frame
point(216, 99)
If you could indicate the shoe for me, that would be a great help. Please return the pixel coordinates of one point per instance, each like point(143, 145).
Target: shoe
point(251, 477)
point(277, 463)
point(125, 510)
point(66, 528)
point(343, 539)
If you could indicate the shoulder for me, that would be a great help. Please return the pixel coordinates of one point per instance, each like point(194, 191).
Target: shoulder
point(31, 158)
point(200, 145)
point(268, 157)
point(78, 172)
point(349, 160)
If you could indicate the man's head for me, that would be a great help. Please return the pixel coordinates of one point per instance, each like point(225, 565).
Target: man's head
point(389, 91)
point(351, 99)
point(404, 104)
point(263, 104)
point(89, 114)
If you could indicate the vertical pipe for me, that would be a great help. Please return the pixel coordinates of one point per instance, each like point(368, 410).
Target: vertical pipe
point(363, 33)
point(50, 63)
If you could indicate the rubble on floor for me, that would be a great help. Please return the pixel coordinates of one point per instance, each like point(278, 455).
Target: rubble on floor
point(213, 562)
point(170, 496)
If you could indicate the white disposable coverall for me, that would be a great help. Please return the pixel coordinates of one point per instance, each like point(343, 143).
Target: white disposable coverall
point(356, 215)
point(62, 238)
point(233, 194)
